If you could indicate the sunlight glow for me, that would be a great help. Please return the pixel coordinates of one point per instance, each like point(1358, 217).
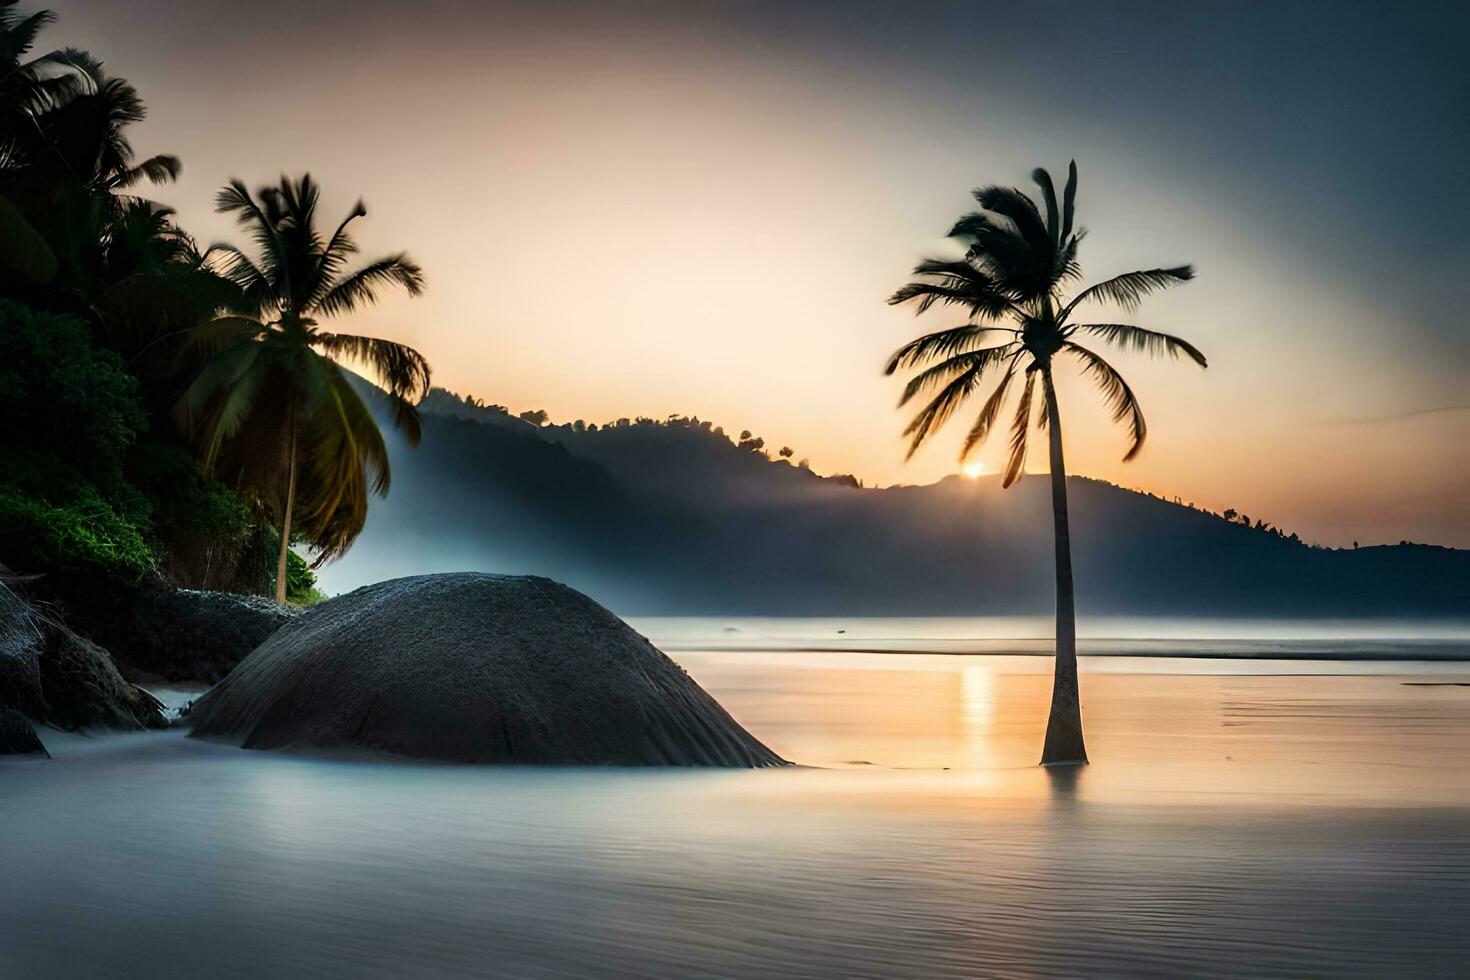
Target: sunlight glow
point(973, 471)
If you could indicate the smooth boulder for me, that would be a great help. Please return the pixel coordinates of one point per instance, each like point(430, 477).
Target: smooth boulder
point(473, 667)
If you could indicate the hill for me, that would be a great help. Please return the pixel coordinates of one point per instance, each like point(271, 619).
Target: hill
point(677, 518)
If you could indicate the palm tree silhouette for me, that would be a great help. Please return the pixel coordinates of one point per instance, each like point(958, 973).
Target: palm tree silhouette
point(1009, 283)
point(27, 87)
point(271, 396)
point(86, 126)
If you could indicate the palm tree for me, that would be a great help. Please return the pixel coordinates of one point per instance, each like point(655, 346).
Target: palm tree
point(1010, 285)
point(271, 396)
point(66, 162)
point(27, 87)
point(84, 127)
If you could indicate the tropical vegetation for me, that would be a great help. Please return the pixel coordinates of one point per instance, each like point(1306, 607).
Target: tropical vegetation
point(270, 396)
point(124, 453)
point(1020, 323)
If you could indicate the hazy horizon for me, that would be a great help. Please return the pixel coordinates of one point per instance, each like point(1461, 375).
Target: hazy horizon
point(699, 209)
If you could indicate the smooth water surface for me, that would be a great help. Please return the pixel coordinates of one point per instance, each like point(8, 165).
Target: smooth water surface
point(1256, 818)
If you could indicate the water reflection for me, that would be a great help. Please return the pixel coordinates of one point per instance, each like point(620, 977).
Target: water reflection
point(1248, 824)
point(977, 700)
point(1063, 781)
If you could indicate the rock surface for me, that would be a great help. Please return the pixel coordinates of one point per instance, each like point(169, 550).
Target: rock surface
point(472, 667)
point(51, 675)
point(180, 635)
point(17, 737)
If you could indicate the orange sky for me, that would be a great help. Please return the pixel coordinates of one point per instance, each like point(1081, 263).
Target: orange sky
point(640, 215)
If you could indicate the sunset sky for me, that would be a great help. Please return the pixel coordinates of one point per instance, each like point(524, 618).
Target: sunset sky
point(656, 208)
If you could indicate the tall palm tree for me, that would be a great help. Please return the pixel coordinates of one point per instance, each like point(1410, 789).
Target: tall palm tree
point(27, 88)
point(271, 396)
point(1010, 284)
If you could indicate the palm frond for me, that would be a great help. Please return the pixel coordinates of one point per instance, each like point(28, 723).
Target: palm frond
point(1049, 197)
point(948, 368)
point(1151, 342)
point(1014, 204)
point(941, 343)
point(1119, 396)
point(953, 282)
point(338, 248)
point(255, 291)
point(403, 372)
point(930, 293)
point(1129, 289)
point(158, 169)
point(44, 93)
point(215, 405)
point(1023, 266)
point(222, 333)
point(931, 417)
point(1020, 428)
point(18, 36)
point(1069, 200)
point(290, 207)
point(235, 199)
point(299, 199)
point(1067, 265)
point(988, 413)
point(86, 68)
point(347, 460)
point(361, 287)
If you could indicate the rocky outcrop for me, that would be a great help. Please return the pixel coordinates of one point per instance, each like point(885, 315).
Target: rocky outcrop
point(52, 676)
point(17, 737)
point(179, 635)
point(473, 667)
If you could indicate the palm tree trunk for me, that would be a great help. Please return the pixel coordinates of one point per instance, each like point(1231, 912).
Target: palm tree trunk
point(290, 503)
point(1064, 745)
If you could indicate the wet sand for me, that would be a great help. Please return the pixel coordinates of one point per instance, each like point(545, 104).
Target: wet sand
point(1269, 818)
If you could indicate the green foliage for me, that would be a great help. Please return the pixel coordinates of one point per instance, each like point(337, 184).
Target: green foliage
point(271, 410)
point(94, 474)
point(204, 534)
point(301, 587)
point(86, 488)
point(84, 535)
point(71, 413)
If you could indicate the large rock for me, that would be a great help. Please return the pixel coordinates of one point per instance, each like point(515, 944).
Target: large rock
point(471, 667)
point(178, 635)
point(17, 737)
point(51, 675)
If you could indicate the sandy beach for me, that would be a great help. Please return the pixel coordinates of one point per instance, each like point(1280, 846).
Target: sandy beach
point(1262, 818)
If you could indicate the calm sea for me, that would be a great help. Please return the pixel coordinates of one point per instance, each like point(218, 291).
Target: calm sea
point(1275, 814)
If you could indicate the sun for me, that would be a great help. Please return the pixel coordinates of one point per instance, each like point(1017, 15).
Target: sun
point(973, 470)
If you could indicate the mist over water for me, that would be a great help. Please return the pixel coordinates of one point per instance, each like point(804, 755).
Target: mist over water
point(1238, 820)
point(1112, 636)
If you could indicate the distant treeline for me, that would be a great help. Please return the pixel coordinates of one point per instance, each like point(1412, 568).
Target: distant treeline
point(672, 518)
point(468, 406)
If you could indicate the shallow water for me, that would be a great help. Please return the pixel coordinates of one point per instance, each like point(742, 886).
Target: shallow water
point(1259, 818)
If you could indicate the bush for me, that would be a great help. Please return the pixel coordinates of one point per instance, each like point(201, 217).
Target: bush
point(301, 587)
point(70, 411)
point(203, 533)
point(84, 535)
point(87, 489)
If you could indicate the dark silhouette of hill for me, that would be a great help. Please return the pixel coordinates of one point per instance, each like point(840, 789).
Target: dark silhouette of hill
point(675, 517)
